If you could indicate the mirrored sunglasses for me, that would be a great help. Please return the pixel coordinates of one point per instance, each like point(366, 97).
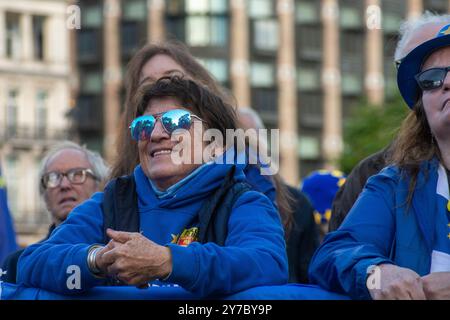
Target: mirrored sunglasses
point(142, 127)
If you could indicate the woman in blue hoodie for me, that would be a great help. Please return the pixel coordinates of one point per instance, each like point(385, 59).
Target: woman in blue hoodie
point(172, 57)
point(171, 243)
point(395, 242)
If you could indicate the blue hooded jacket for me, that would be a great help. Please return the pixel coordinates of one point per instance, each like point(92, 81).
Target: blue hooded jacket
point(254, 253)
point(379, 230)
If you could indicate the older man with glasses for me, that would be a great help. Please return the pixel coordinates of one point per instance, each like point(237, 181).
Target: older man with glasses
point(70, 174)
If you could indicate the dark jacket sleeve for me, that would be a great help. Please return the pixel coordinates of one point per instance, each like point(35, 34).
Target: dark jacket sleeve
point(10, 266)
point(354, 184)
point(303, 239)
point(10, 263)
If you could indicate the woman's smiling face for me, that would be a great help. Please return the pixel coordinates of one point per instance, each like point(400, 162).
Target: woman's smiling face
point(155, 154)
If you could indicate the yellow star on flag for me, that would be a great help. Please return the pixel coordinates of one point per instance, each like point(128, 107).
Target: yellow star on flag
point(446, 31)
point(174, 238)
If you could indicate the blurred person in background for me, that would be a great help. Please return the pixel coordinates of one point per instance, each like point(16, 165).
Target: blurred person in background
point(301, 233)
point(321, 186)
point(413, 32)
point(69, 174)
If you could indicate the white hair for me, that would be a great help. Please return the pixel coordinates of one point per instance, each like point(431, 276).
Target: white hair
point(410, 26)
point(98, 165)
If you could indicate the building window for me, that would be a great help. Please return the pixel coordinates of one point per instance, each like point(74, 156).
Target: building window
point(91, 17)
point(174, 7)
point(306, 12)
point(197, 31)
point(262, 75)
point(352, 45)
point(38, 37)
point(135, 10)
point(352, 65)
point(88, 44)
point(350, 18)
point(264, 101)
point(217, 67)
point(260, 8)
point(308, 79)
point(206, 6)
point(87, 113)
point(393, 13)
point(207, 31)
point(41, 113)
point(13, 36)
point(391, 22)
point(176, 28)
point(309, 43)
point(92, 82)
point(197, 6)
point(351, 84)
point(218, 6)
point(11, 111)
point(130, 36)
point(311, 110)
point(308, 148)
point(266, 34)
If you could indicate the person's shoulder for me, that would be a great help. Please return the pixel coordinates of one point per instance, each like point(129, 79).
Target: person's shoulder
point(389, 176)
point(374, 162)
point(10, 266)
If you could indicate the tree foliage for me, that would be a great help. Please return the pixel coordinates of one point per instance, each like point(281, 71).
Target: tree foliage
point(370, 128)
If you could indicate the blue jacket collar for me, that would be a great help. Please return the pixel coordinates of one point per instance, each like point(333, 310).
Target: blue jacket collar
point(425, 200)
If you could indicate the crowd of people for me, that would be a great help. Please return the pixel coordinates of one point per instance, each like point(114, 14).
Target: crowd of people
point(215, 227)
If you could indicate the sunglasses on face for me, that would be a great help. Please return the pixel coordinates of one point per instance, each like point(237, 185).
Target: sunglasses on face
point(75, 176)
point(432, 78)
point(142, 127)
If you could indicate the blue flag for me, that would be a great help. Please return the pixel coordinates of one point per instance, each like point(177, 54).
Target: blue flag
point(7, 235)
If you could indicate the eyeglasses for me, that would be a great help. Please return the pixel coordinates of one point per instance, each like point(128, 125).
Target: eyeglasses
point(432, 78)
point(142, 127)
point(75, 176)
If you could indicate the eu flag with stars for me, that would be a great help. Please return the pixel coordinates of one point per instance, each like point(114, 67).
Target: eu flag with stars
point(7, 235)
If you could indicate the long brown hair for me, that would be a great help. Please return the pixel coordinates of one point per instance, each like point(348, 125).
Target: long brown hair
point(283, 198)
point(413, 145)
point(126, 149)
point(215, 113)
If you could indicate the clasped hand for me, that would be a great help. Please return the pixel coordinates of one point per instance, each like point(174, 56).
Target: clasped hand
point(134, 259)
